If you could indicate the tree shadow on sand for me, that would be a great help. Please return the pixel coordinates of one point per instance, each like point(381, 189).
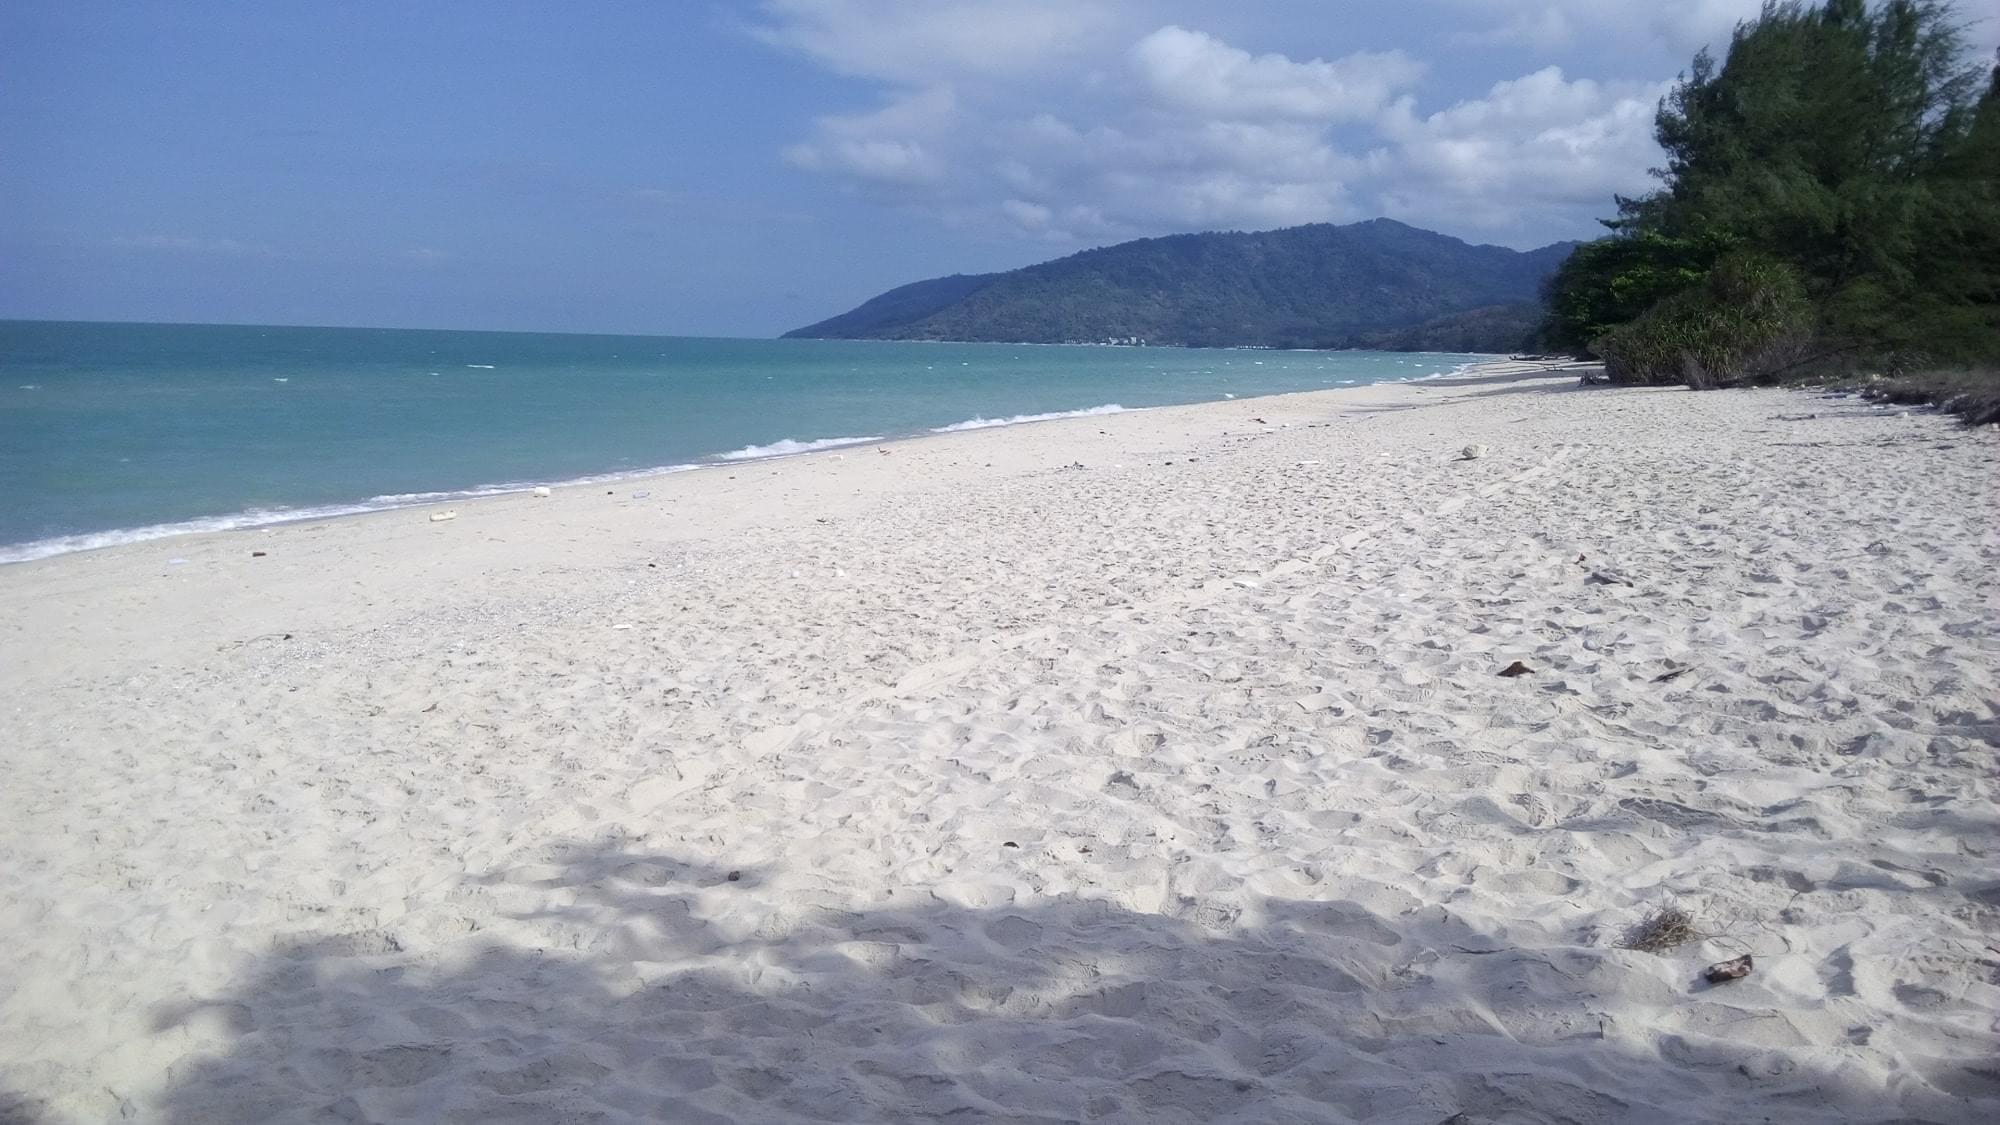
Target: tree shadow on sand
point(672, 990)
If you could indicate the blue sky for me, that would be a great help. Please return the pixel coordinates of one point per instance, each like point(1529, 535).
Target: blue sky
point(738, 168)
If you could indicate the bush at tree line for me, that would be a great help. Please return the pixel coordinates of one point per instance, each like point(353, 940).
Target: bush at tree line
point(1748, 320)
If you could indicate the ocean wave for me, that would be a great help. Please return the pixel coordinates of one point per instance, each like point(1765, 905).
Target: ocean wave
point(405, 499)
point(255, 517)
point(1465, 368)
point(989, 423)
point(785, 447)
point(268, 517)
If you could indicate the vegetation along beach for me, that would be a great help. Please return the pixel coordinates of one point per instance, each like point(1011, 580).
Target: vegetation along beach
point(1292, 621)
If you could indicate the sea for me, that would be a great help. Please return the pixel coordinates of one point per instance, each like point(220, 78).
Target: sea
point(113, 433)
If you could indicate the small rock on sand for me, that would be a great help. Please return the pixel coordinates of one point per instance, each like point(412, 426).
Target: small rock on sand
point(1723, 972)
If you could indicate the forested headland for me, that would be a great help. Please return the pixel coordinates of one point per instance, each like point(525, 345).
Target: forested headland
point(1374, 284)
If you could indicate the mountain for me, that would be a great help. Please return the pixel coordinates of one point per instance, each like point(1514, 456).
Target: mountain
point(1493, 328)
point(1312, 286)
point(879, 317)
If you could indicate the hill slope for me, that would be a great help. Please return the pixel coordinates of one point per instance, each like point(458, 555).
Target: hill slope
point(1492, 328)
point(1309, 286)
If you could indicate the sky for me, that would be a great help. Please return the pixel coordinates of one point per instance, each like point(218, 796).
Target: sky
point(740, 167)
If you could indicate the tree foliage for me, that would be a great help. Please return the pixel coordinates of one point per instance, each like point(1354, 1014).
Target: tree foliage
point(1612, 281)
point(1853, 145)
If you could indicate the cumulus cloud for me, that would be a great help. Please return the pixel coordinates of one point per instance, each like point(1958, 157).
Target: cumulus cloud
point(1542, 140)
point(1681, 26)
point(1178, 173)
point(923, 42)
point(894, 145)
point(1202, 74)
point(1068, 122)
point(1034, 217)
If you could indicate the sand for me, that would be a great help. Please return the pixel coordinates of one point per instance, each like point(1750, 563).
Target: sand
point(1143, 768)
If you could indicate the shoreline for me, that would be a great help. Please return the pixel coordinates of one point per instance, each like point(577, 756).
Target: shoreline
point(255, 519)
point(1114, 768)
point(393, 555)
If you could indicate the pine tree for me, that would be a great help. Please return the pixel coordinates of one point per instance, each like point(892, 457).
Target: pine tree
point(1849, 145)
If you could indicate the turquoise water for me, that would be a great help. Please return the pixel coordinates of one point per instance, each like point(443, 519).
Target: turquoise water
point(115, 432)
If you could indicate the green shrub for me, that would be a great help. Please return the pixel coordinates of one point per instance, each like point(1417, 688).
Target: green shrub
point(1748, 321)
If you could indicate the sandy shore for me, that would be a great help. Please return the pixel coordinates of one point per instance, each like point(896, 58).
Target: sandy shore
point(1143, 768)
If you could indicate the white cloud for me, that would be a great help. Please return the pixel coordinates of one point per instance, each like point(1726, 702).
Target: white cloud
point(891, 146)
point(1537, 141)
point(1197, 72)
point(1031, 217)
point(1680, 26)
point(1152, 172)
point(881, 161)
point(925, 41)
point(1689, 25)
point(1177, 129)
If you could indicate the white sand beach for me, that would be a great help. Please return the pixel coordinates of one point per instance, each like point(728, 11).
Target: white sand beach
point(1152, 767)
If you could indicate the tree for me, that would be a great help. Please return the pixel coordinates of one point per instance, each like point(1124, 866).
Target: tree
point(1612, 281)
point(1956, 301)
point(1847, 143)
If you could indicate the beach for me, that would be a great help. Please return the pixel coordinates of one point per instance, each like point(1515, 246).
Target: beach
point(1148, 767)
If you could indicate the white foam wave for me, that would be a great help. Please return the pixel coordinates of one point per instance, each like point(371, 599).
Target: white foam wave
point(405, 499)
point(267, 517)
point(255, 517)
point(1468, 367)
point(787, 446)
point(989, 423)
